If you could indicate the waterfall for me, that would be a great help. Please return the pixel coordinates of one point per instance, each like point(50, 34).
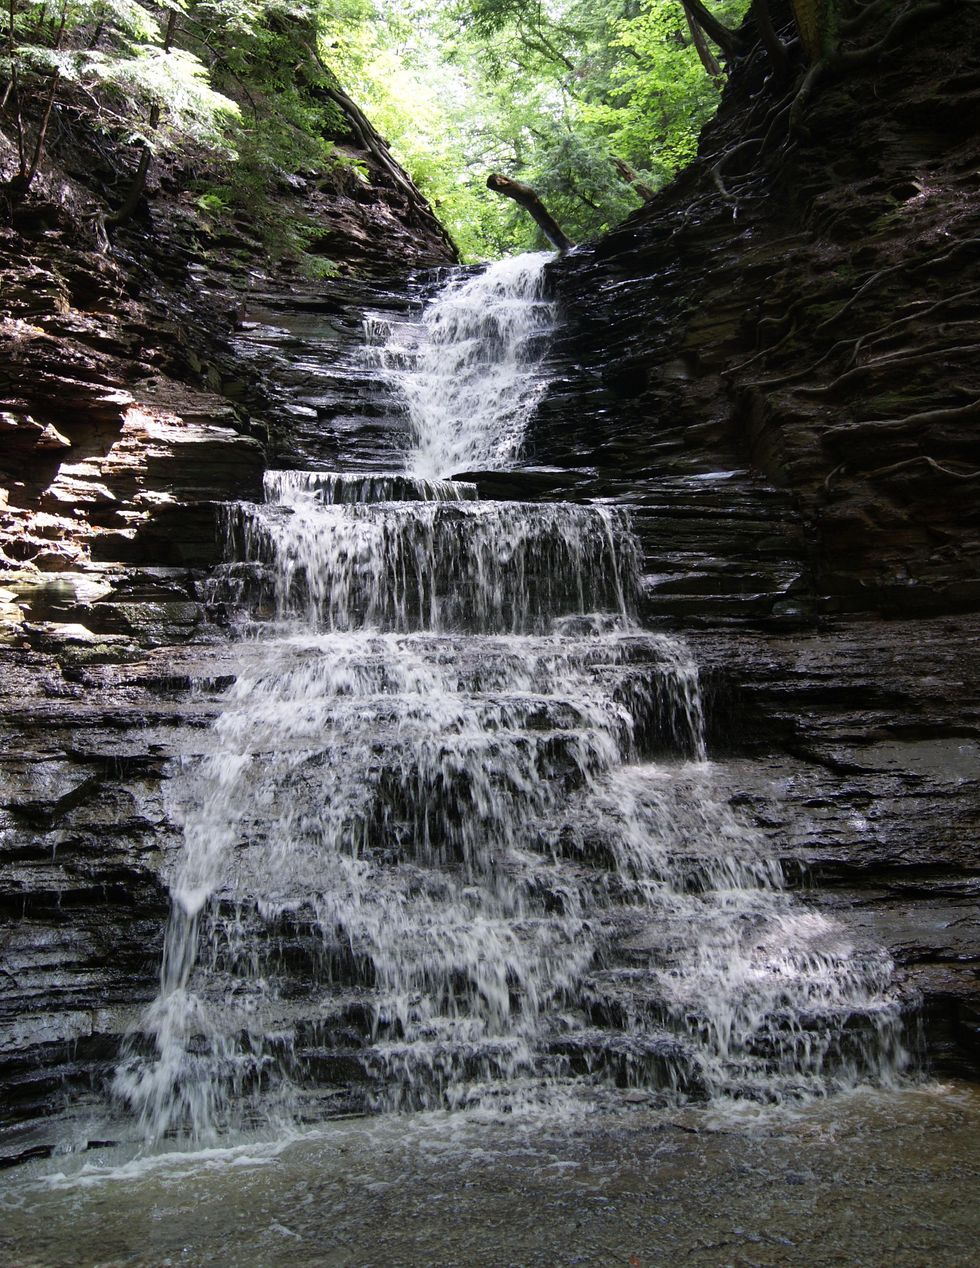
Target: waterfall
point(455, 839)
point(471, 376)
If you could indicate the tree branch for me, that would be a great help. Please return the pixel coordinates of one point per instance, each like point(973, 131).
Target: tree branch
point(726, 39)
point(632, 178)
point(525, 197)
point(708, 59)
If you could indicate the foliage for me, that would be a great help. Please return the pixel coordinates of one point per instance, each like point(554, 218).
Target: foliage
point(115, 54)
point(548, 93)
point(215, 84)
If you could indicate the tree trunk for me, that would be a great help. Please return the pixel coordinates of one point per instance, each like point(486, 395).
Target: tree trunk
point(42, 132)
point(726, 39)
point(525, 197)
point(131, 201)
point(631, 178)
point(708, 59)
point(810, 20)
point(17, 187)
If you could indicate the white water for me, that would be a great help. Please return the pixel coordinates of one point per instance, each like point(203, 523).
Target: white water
point(469, 377)
point(455, 839)
point(433, 562)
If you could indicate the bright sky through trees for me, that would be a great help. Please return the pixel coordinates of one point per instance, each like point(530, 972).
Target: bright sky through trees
point(576, 98)
point(549, 94)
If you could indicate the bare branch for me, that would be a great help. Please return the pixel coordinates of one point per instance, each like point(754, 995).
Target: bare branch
point(526, 197)
point(726, 39)
point(708, 59)
point(632, 178)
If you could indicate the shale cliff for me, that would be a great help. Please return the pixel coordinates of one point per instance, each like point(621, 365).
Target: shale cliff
point(772, 365)
point(146, 377)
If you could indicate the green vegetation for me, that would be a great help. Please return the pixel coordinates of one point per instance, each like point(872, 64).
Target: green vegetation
point(548, 94)
point(244, 92)
point(120, 64)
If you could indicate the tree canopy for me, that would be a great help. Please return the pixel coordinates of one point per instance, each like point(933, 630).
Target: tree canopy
point(592, 103)
point(552, 94)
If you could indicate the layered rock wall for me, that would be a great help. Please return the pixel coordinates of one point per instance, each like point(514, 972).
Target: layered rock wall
point(804, 299)
point(774, 364)
point(144, 381)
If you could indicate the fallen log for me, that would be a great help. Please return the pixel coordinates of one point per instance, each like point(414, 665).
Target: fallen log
point(525, 197)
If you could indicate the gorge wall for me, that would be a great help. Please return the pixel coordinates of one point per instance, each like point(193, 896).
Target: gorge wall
point(772, 366)
point(778, 357)
point(141, 386)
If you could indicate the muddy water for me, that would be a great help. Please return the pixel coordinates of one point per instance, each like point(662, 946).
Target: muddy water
point(870, 1177)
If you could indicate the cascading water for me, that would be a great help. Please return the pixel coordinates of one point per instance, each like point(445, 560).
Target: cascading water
point(456, 839)
point(471, 376)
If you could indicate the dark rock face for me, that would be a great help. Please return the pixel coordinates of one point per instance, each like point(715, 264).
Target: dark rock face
point(773, 364)
point(804, 306)
point(856, 748)
point(124, 406)
point(138, 391)
point(331, 402)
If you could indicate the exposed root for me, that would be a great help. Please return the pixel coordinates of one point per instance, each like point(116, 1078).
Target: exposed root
point(850, 25)
point(931, 462)
point(929, 262)
point(865, 286)
point(842, 469)
point(929, 416)
point(873, 336)
point(843, 61)
point(853, 59)
point(805, 91)
point(899, 359)
point(869, 339)
point(730, 154)
point(742, 365)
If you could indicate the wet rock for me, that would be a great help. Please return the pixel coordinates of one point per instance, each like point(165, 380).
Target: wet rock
point(780, 324)
point(78, 645)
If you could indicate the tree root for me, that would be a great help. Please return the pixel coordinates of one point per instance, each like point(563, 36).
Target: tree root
point(866, 340)
point(805, 91)
point(774, 46)
point(730, 154)
point(938, 467)
point(925, 418)
point(929, 262)
point(865, 286)
point(853, 59)
point(843, 61)
point(743, 365)
point(894, 361)
point(873, 336)
point(850, 25)
point(911, 462)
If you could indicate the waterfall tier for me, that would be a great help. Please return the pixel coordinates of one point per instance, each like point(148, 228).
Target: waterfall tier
point(429, 563)
point(429, 870)
point(337, 488)
point(468, 376)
